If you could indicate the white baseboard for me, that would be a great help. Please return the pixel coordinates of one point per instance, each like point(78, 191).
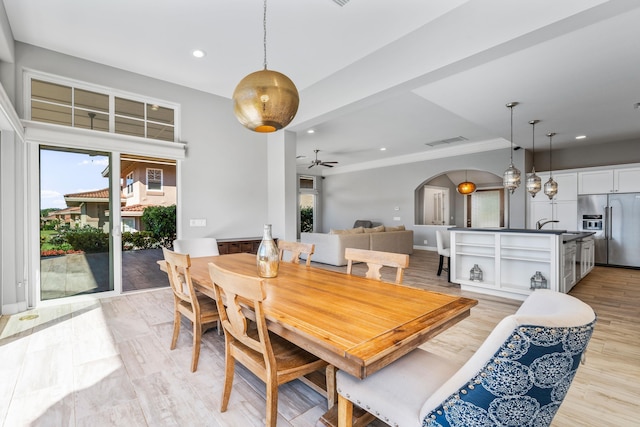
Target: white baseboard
point(14, 308)
point(426, 248)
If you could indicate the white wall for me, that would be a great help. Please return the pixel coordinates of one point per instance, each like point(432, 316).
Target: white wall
point(376, 193)
point(224, 174)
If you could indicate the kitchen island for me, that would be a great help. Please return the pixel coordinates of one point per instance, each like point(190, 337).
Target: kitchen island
point(512, 262)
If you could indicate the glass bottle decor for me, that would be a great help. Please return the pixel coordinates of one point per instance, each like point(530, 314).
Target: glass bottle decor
point(475, 274)
point(538, 281)
point(268, 257)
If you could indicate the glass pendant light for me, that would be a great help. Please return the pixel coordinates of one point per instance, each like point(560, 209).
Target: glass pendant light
point(534, 182)
point(466, 187)
point(265, 101)
point(550, 187)
point(511, 177)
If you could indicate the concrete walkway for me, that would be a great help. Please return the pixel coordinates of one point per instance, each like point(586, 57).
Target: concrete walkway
point(77, 274)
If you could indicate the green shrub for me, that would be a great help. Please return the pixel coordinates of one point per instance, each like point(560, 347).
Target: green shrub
point(138, 240)
point(306, 219)
point(87, 239)
point(161, 222)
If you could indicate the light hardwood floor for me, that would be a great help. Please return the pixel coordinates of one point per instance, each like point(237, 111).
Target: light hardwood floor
point(108, 363)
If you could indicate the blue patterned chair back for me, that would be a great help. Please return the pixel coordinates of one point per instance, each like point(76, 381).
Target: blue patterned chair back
point(526, 379)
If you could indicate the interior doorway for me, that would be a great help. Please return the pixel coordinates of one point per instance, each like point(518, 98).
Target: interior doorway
point(485, 208)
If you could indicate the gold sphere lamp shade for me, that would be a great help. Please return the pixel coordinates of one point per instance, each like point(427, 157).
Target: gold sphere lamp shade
point(265, 101)
point(466, 187)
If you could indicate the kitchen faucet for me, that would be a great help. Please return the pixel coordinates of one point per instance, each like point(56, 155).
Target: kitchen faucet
point(540, 223)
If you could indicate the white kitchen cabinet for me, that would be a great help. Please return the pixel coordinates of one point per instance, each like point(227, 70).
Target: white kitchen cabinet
point(587, 256)
point(620, 180)
point(508, 260)
point(563, 207)
point(567, 187)
point(565, 212)
point(626, 180)
point(568, 263)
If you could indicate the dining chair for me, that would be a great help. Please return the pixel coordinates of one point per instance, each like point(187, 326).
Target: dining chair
point(519, 376)
point(271, 358)
point(201, 310)
point(443, 242)
point(376, 260)
point(197, 247)
point(296, 249)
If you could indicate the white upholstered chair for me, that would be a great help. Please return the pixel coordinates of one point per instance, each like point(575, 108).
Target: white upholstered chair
point(518, 376)
point(443, 242)
point(197, 247)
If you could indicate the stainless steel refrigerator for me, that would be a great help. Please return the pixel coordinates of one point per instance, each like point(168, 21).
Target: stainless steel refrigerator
point(615, 218)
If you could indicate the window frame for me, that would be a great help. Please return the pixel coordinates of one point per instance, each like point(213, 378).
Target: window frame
point(129, 185)
point(112, 93)
point(153, 190)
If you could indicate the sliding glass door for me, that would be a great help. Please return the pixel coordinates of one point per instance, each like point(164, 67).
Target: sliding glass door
point(75, 240)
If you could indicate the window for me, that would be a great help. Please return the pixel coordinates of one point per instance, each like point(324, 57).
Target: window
point(154, 179)
point(100, 109)
point(129, 183)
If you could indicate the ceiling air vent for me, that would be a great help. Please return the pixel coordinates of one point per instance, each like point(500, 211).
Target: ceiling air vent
point(341, 2)
point(446, 141)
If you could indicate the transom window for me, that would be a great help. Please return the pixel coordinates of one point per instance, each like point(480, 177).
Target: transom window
point(100, 110)
point(154, 179)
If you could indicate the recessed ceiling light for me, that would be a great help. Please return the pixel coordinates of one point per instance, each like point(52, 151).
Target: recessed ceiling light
point(581, 136)
point(311, 131)
point(383, 149)
point(198, 53)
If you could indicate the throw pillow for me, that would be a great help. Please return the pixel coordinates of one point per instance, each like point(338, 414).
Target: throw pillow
point(357, 230)
point(396, 228)
point(377, 229)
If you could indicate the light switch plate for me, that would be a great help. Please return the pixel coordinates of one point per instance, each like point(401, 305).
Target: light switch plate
point(198, 222)
point(396, 218)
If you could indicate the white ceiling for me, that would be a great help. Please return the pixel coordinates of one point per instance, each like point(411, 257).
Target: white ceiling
point(378, 73)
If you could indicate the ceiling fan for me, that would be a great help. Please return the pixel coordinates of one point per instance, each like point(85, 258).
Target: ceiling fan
point(317, 162)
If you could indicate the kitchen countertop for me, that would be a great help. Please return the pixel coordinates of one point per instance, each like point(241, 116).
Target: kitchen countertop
point(567, 236)
point(509, 230)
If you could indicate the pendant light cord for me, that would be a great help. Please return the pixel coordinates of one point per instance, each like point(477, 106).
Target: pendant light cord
point(511, 108)
point(550, 136)
point(264, 27)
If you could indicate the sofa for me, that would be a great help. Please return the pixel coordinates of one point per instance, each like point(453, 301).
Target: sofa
point(329, 247)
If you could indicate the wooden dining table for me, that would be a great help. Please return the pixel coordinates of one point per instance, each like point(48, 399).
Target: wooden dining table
point(356, 324)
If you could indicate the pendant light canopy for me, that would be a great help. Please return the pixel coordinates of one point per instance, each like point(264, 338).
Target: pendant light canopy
point(534, 182)
point(265, 101)
point(550, 187)
point(511, 177)
point(466, 187)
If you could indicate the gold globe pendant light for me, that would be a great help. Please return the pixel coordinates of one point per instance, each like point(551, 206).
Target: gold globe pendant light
point(550, 187)
point(265, 100)
point(466, 187)
point(534, 182)
point(511, 177)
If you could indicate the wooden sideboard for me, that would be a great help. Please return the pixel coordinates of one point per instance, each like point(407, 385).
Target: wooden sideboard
point(235, 246)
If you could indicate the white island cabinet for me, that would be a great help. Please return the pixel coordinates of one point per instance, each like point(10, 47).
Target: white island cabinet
point(508, 258)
